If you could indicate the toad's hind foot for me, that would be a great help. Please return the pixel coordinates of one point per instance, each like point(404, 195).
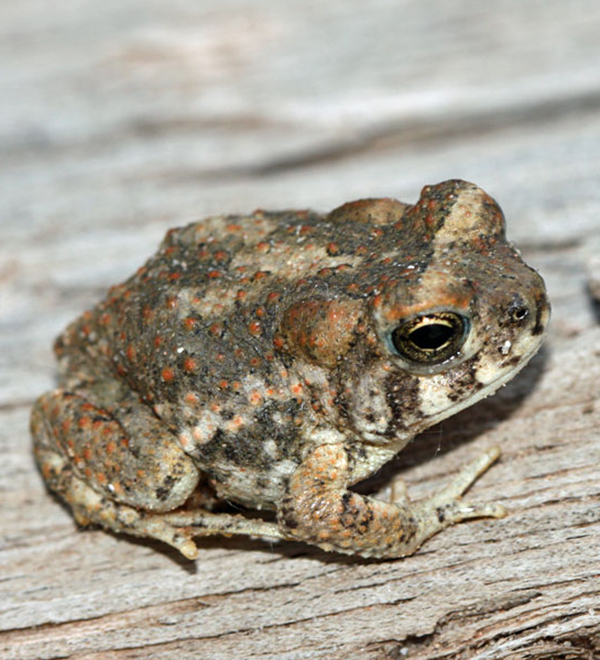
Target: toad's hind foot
point(204, 523)
point(177, 528)
point(126, 473)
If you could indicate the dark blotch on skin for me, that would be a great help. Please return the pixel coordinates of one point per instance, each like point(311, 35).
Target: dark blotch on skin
point(539, 327)
point(402, 394)
point(513, 361)
point(467, 384)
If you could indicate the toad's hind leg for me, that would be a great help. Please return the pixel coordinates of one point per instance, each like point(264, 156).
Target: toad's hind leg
point(124, 471)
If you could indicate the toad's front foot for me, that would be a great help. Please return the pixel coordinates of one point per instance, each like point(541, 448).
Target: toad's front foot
point(320, 510)
point(446, 507)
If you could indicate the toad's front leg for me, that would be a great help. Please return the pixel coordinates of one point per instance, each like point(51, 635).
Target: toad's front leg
point(320, 510)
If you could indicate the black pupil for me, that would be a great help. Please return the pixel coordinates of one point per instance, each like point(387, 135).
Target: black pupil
point(432, 336)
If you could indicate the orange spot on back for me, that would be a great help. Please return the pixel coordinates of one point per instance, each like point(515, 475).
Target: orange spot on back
point(189, 364)
point(255, 328)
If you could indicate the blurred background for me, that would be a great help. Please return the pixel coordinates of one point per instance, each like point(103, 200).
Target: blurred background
point(148, 110)
point(122, 118)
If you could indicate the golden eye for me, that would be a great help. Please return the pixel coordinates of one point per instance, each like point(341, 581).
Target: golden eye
point(431, 338)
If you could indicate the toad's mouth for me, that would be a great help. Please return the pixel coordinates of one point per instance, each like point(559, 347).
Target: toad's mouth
point(488, 389)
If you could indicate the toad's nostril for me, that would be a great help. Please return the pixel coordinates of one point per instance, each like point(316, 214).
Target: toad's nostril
point(519, 314)
point(518, 310)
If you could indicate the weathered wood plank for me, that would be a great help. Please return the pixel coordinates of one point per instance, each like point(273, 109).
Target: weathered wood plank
point(124, 118)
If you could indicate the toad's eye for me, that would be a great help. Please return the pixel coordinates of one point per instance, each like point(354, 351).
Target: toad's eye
point(431, 338)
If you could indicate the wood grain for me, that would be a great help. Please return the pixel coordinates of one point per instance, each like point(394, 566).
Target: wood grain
point(121, 119)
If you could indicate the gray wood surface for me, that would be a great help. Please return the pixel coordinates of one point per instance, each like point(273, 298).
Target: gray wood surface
point(121, 118)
